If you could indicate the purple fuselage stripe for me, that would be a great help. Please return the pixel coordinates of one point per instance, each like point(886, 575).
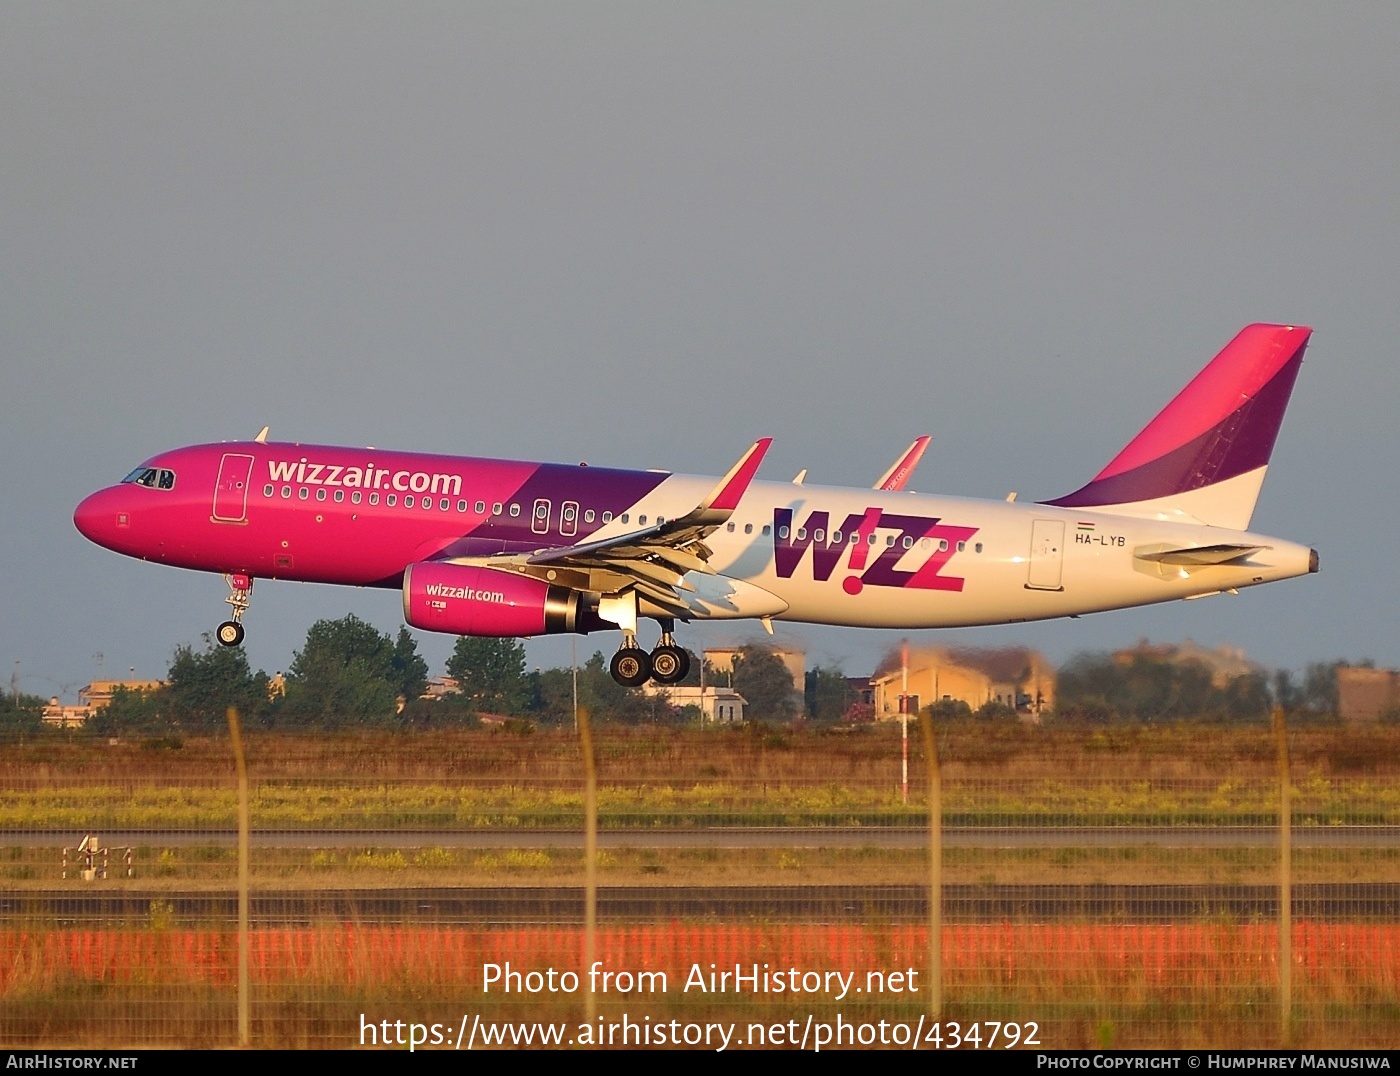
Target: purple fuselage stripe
point(599, 489)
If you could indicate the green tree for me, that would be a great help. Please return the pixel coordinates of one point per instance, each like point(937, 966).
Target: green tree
point(1320, 695)
point(129, 712)
point(345, 674)
point(1246, 698)
point(20, 714)
point(491, 673)
point(202, 686)
point(410, 670)
point(764, 681)
point(552, 696)
point(828, 695)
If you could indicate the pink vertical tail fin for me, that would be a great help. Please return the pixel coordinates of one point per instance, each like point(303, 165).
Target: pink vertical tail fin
point(1203, 458)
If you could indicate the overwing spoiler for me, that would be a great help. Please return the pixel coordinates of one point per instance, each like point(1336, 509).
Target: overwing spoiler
point(652, 560)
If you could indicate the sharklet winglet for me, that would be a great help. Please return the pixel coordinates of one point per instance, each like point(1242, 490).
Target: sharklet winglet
point(897, 477)
point(726, 495)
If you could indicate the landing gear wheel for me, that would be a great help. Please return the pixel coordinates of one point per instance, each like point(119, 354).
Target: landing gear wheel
point(630, 666)
point(669, 664)
point(229, 633)
point(240, 585)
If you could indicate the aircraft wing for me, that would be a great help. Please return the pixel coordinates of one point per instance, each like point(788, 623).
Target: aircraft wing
point(897, 477)
point(653, 560)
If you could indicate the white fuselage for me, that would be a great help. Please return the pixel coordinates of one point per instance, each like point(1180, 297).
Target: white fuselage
point(866, 558)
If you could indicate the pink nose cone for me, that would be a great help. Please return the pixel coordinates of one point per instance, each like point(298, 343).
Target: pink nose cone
point(98, 516)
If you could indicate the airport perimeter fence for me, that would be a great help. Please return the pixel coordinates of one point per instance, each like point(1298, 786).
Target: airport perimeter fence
point(1083, 905)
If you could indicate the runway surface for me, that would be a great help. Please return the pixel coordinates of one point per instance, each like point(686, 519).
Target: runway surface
point(504, 905)
point(741, 837)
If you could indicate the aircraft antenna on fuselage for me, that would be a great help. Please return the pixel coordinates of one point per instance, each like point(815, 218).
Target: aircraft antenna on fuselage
point(261, 438)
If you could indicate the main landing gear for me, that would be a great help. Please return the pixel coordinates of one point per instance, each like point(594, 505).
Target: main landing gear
point(632, 666)
point(230, 632)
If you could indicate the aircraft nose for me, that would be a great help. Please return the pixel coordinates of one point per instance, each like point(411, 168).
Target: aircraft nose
point(98, 517)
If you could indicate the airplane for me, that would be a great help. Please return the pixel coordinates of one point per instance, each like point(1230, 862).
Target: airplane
point(506, 548)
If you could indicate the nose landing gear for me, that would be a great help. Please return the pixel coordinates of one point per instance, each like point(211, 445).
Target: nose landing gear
point(230, 632)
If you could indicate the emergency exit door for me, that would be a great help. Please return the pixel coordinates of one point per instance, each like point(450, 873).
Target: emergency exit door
point(1047, 554)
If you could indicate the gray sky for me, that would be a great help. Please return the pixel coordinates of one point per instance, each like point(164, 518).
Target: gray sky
point(645, 234)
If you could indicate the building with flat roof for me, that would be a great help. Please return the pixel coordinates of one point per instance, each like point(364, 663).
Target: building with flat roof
point(92, 698)
point(1013, 676)
point(717, 705)
point(1364, 696)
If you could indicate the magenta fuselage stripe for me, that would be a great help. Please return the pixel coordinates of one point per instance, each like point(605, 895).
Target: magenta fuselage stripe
point(318, 539)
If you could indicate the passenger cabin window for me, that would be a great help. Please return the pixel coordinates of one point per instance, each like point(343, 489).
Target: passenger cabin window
point(588, 516)
point(607, 517)
point(515, 511)
point(480, 508)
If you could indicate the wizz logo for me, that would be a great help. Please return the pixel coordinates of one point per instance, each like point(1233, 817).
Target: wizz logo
point(869, 558)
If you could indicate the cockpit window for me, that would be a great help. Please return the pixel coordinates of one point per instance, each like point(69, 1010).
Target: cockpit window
point(151, 478)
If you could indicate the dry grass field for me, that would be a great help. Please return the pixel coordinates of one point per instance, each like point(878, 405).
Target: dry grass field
point(158, 980)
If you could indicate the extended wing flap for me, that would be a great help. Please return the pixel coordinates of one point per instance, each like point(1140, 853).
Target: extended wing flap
point(657, 558)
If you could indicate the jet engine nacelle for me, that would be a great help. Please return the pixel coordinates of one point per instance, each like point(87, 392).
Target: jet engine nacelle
point(465, 599)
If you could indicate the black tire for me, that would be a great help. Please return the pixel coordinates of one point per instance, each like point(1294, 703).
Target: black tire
point(669, 664)
point(630, 667)
point(229, 633)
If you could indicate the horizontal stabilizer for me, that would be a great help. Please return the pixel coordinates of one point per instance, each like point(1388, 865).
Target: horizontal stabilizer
point(1199, 556)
